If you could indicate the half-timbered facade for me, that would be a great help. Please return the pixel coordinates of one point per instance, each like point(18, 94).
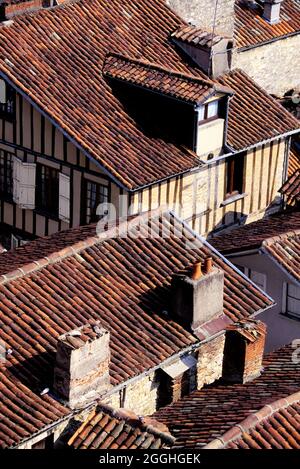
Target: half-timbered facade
point(66, 146)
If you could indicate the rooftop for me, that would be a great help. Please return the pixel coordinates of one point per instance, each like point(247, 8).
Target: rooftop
point(205, 415)
point(291, 188)
point(55, 58)
point(253, 235)
point(182, 86)
point(251, 29)
point(60, 283)
point(275, 426)
point(107, 428)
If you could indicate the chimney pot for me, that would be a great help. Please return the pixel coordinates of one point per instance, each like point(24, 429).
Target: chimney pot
point(207, 265)
point(197, 271)
point(271, 11)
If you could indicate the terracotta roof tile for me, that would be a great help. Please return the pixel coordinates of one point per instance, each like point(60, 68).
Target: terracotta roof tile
point(275, 426)
point(106, 428)
point(205, 415)
point(291, 188)
point(251, 29)
point(196, 36)
point(66, 47)
point(253, 235)
point(123, 282)
point(182, 86)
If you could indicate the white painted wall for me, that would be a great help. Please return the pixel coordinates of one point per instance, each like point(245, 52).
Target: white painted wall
point(282, 330)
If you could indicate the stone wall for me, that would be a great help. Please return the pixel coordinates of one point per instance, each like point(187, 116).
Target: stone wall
point(210, 361)
point(201, 13)
point(274, 66)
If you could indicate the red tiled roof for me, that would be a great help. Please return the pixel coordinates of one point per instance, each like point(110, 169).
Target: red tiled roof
point(123, 282)
point(253, 235)
point(294, 161)
point(285, 251)
point(106, 428)
point(204, 415)
point(23, 411)
point(185, 87)
point(56, 56)
point(291, 188)
point(251, 29)
point(275, 426)
point(196, 36)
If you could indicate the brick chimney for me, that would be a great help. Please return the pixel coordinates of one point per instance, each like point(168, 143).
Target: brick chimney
point(243, 351)
point(271, 11)
point(82, 364)
point(198, 298)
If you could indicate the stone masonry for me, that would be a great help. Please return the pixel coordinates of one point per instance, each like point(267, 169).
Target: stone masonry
point(201, 13)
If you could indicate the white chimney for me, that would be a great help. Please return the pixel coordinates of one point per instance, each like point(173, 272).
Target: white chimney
point(271, 11)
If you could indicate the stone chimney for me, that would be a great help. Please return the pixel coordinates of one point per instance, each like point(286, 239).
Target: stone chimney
point(201, 13)
point(243, 351)
point(271, 11)
point(82, 364)
point(198, 298)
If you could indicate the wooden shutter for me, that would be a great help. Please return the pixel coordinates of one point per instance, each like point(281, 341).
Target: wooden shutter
point(64, 197)
point(24, 183)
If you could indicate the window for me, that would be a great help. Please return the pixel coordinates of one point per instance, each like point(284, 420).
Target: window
point(7, 100)
point(93, 195)
point(6, 173)
point(208, 111)
point(235, 175)
point(47, 187)
point(292, 300)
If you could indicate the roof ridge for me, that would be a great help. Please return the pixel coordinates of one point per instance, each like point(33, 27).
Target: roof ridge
point(125, 225)
point(189, 77)
point(252, 420)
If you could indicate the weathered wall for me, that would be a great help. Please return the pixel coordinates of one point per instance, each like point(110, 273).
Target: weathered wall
point(201, 13)
point(274, 66)
point(281, 330)
point(199, 197)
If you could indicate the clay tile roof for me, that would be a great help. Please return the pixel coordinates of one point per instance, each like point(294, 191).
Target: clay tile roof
point(275, 426)
point(196, 36)
point(185, 87)
point(253, 235)
point(254, 115)
point(107, 428)
point(285, 251)
point(55, 58)
point(251, 29)
point(294, 161)
point(121, 281)
point(291, 188)
point(205, 415)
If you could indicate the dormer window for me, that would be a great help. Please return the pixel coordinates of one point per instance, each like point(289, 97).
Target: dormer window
point(208, 111)
point(7, 101)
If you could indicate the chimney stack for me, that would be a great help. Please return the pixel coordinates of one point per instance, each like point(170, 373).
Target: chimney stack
point(243, 351)
point(271, 11)
point(198, 298)
point(82, 364)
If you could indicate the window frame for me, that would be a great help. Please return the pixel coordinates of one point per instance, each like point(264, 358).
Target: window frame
point(286, 297)
point(51, 209)
point(87, 218)
point(205, 113)
point(6, 157)
point(235, 175)
point(8, 108)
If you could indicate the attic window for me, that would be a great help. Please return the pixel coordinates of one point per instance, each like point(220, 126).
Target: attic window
point(209, 111)
point(7, 101)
